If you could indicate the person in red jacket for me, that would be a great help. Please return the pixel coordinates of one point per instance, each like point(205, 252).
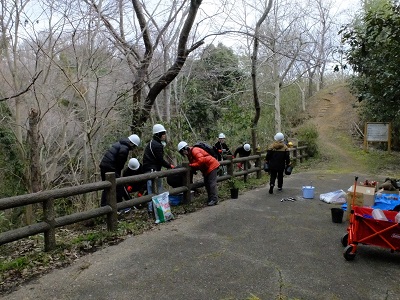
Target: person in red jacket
point(199, 159)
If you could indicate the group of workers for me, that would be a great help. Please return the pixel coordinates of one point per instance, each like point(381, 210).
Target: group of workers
point(199, 159)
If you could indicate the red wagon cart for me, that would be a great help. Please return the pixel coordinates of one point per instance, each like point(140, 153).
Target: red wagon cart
point(364, 229)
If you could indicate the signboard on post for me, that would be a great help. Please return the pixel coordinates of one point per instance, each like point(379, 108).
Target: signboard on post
point(377, 132)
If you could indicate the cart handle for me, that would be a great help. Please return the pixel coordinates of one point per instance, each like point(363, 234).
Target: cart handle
point(353, 200)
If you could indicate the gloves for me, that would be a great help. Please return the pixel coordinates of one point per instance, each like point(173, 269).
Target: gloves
point(193, 170)
point(172, 167)
point(129, 189)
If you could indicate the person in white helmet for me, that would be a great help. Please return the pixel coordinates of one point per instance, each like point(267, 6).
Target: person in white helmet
point(278, 158)
point(200, 159)
point(243, 151)
point(153, 158)
point(134, 168)
point(114, 161)
point(222, 147)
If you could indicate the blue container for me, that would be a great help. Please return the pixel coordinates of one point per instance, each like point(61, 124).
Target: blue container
point(308, 192)
point(175, 200)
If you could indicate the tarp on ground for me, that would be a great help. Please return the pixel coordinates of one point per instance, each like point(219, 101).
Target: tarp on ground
point(383, 201)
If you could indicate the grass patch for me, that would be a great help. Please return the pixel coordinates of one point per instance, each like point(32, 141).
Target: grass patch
point(349, 157)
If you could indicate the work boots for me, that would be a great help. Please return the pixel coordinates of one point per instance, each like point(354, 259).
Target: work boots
point(271, 189)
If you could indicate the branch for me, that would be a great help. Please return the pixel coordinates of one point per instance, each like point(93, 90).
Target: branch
point(24, 91)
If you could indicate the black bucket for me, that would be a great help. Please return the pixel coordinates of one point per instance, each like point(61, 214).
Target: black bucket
point(337, 215)
point(235, 193)
point(288, 170)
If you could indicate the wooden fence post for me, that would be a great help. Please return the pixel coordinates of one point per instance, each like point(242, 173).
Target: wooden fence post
point(246, 167)
point(154, 186)
point(258, 165)
point(49, 216)
point(111, 196)
point(230, 168)
point(186, 182)
point(295, 154)
point(301, 155)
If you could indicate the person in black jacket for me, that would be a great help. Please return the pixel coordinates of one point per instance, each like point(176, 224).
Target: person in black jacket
point(223, 152)
point(153, 158)
point(222, 147)
point(114, 161)
point(278, 158)
point(243, 151)
point(135, 168)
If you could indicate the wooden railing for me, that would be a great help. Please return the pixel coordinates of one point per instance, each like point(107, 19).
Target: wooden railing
point(50, 221)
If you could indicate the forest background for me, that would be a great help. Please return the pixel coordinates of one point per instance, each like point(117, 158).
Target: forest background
point(79, 75)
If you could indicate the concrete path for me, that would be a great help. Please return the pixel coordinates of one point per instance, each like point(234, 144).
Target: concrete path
point(254, 247)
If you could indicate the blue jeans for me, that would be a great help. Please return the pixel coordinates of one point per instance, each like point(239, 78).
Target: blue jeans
point(150, 191)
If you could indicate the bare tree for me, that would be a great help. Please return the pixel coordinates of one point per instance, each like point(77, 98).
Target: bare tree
point(254, 72)
point(283, 43)
point(320, 28)
point(140, 56)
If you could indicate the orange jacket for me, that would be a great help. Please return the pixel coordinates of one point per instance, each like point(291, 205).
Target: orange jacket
point(201, 160)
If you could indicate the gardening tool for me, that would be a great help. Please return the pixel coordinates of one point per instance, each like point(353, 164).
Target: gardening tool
point(288, 199)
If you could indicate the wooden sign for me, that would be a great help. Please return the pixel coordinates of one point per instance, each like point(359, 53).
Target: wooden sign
point(377, 132)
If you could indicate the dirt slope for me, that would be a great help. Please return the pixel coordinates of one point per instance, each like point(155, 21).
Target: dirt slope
point(333, 111)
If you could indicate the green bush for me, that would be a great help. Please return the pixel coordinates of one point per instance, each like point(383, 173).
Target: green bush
point(308, 136)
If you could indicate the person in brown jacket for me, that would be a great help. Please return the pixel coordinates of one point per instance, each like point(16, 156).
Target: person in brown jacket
point(278, 158)
point(200, 159)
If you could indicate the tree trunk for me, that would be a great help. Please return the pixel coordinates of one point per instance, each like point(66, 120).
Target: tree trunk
point(174, 70)
point(35, 173)
point(278, 121)
point(257, 108)
point(303, 96)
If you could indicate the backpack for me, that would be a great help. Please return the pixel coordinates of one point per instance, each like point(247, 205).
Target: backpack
point(209, 149)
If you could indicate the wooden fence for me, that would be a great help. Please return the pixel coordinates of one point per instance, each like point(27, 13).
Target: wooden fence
point(50, 222)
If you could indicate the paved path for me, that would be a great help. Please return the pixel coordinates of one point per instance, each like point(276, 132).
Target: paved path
point(254, 247)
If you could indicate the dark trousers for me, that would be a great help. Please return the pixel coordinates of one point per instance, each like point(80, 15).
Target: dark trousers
point(276, 174)
point(121, 191)
point(210, 182)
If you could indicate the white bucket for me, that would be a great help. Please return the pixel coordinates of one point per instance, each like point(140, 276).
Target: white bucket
point(308, 192)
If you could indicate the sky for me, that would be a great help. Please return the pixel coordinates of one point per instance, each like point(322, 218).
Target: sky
point(345, 11)
point(225, 14)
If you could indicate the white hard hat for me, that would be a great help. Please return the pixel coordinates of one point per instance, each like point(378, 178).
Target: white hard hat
point(182, 145)
point(158, 128)
point(246, 147)
point(279, 137)
point(133, 164)
point(135, 139)
point(221, 136)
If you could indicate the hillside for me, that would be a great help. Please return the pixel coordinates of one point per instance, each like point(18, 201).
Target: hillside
point(334, 112)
